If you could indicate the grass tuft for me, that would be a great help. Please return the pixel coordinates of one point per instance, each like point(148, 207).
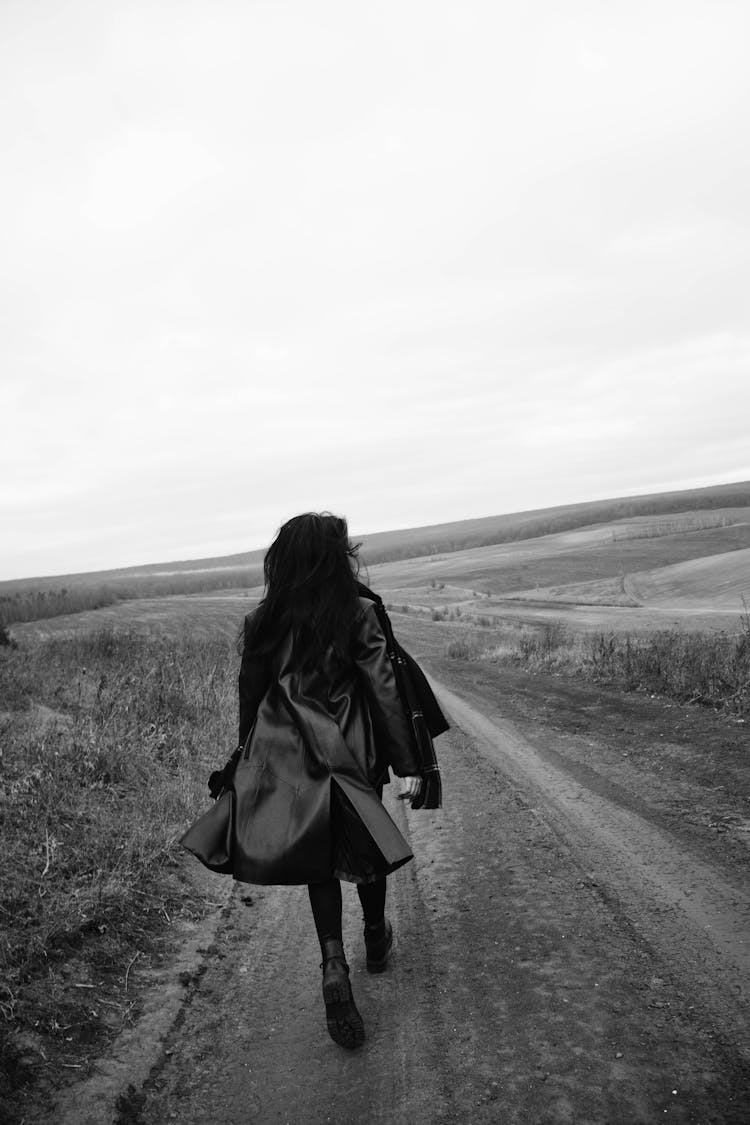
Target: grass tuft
point(462, 649)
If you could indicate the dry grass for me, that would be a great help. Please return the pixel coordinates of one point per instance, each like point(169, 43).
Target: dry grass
point(708, 668)
point(106, 740)
point(712, 669)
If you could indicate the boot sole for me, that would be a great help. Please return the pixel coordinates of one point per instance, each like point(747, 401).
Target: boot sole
point(343, 1021)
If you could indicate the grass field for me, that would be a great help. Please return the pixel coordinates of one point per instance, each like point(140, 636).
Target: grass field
point(106, 740)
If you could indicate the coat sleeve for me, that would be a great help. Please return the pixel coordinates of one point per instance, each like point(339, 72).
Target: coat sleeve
point(253, 684)
point(389, 720)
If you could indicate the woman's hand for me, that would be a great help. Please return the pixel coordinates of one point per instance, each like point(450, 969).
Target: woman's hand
point(410, 787)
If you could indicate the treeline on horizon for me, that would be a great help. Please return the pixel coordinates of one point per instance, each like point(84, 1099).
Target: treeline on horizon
point(76, 594)
point(491, 530)
point(38, 598)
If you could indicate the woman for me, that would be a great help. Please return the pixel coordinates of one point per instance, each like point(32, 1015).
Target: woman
point(322, 721)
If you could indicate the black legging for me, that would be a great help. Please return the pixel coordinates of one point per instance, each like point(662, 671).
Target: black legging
point(325, 900)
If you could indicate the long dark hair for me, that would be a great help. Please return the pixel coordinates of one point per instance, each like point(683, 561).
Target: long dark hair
point(311, 589)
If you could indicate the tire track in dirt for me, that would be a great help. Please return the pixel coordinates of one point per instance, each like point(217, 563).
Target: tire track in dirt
point(680, 903)
point(557, 1008)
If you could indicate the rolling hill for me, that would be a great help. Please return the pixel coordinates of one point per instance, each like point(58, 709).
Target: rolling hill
point(716, 583)
point(601, 554)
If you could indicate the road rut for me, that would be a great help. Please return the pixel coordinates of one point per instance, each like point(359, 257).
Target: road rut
point(682, 904)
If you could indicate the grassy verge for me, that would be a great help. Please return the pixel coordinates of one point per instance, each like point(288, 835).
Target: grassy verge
point(708, 668)
point(105, 743)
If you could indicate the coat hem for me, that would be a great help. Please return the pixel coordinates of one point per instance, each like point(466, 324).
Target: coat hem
point(336, 873)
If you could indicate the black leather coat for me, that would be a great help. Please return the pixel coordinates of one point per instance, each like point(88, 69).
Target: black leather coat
point(320, 745)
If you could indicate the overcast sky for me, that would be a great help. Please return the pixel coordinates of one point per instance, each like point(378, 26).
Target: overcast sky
point(410, 262)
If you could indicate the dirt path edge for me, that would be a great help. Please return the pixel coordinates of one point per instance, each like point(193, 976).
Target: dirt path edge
point(113, 1092)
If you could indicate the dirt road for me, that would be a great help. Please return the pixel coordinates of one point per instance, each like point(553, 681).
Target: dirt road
point(562, 956)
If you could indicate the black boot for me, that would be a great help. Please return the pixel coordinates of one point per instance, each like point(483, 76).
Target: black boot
point(378, 942)
point(344, 1022)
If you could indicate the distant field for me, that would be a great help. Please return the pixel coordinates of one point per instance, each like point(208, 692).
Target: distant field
point(382, 546)
point(718, 582)
point(620, 570)
point(693, 580)
point(710, 502)
point(602, 551)
point(200, 616)
point(616, 576)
